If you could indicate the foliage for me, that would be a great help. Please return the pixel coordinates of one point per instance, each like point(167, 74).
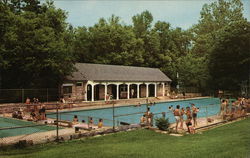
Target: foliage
point(33, 45)
point(38, 46)
point(145, 143)
point(215, 18)
point(162, 123)
point(229, 63)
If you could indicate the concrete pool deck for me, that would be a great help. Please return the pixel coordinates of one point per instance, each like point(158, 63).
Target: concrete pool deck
point(69, 133)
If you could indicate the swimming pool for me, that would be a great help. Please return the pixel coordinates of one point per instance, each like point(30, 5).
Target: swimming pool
point(9, 122)
point(212, 104)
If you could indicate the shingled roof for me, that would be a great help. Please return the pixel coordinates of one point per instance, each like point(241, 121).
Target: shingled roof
point(101, 72)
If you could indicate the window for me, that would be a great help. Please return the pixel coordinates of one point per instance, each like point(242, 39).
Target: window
point(79, 84)
point(67, 89)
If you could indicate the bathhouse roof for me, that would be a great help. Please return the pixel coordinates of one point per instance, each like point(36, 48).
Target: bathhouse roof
point(102, 72)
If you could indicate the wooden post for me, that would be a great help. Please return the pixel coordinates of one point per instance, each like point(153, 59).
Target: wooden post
point(57, 127)
point(47, 95)
point(22, 95)
point(113, 116)
point(206, 115)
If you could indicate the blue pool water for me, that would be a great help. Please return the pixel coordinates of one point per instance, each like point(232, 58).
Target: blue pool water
point(212, 104)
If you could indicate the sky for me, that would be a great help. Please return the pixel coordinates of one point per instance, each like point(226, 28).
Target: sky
point(179, 13)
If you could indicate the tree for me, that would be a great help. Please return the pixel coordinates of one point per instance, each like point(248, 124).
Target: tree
point(142, 23)
point(214, 17)
point(230, 57)
point(33, 47)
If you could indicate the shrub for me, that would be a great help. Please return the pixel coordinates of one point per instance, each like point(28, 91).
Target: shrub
point(162, 123)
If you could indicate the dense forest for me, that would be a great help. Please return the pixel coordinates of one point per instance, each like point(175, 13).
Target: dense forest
point(38, 48)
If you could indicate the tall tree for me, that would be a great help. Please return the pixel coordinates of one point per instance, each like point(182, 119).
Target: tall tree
point(34, 47)
point(230, 58)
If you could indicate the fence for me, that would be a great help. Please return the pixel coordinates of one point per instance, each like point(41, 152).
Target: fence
point(59, 125)
point(20, 95)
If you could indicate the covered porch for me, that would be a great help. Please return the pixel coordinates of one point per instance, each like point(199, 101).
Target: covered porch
point(123, 90)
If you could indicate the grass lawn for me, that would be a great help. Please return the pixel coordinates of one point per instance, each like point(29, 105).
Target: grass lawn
point(229, 141)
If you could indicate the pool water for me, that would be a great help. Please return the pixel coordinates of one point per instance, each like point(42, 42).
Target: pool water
point(208, 107)
point(9, 122)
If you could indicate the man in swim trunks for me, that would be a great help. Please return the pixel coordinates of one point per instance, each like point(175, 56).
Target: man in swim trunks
point(189, 118)
point(177, 116)
point(194, 114)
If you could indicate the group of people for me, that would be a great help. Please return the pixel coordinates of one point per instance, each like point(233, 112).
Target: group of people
point(35, 100)
point(238, 109)
point(84, 125)
point(35, 114)
point(147, 118)
point(191, 114)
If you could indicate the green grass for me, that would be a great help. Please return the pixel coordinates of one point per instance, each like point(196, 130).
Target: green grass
point(229, 141)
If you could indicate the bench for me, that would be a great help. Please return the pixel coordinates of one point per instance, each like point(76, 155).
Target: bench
point(63, 122)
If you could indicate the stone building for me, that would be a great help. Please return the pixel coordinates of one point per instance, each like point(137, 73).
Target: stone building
point(93, 82)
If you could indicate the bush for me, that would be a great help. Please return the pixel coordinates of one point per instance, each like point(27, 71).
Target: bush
point(162, 123)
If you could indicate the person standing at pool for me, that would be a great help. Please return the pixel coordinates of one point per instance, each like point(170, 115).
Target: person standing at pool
point(194, 114)
point(223, 107)
point(182, 112)
point(143, 120)
point(149, 117)
point(177, 116)
point(189, 120)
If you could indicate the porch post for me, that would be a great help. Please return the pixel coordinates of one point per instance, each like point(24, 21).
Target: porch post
point(105, 91)
point(86, 92)
point(117, 92)
point(138, 90)
point(128, 91)
point(163, 89)
point(92, 92)
point(146, 90)
point(155, 89)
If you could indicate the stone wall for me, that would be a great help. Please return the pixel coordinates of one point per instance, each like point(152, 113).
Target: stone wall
point(159, 90)
point(78, 92)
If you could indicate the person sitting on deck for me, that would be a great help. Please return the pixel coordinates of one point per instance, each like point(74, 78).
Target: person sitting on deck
point(35, 100)
point(27, 100)
point(226, 115)
point(14, 114)
point(238, 113)
point(232, 114)
point(91, 122)
point(82, 125)
point(33, 115)
point(75, 120)
point(143, 120)
point(20, 115)
point(100, 123)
